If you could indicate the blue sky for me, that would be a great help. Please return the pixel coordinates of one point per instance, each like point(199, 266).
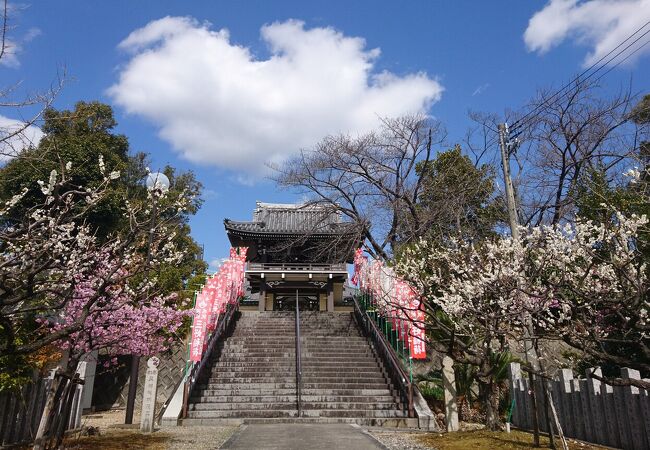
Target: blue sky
point(287, 72)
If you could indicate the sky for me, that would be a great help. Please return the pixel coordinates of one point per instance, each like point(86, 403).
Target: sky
point(223, 88)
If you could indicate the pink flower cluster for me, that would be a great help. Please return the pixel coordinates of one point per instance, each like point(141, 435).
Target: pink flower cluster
point(113, 318)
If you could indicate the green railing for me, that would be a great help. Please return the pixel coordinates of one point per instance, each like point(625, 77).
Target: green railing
point(369, 305)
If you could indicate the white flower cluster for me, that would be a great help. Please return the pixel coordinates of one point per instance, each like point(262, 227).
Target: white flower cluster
point(586, 280)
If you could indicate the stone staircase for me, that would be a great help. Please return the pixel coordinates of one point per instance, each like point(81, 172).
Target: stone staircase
point(252, 378)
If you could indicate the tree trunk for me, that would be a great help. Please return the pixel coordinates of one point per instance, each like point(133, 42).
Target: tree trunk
point(489, 398)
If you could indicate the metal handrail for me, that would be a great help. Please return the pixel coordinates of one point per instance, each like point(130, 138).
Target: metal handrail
point(388, 355)
point(298, 360)
point(225, 321)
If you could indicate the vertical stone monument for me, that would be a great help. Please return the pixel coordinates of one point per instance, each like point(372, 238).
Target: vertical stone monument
point(149, 395)
point(449, 385)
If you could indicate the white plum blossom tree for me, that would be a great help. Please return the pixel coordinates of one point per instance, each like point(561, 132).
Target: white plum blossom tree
point(585, 284)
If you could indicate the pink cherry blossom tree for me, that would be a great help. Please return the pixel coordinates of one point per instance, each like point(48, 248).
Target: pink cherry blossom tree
point(60, 286)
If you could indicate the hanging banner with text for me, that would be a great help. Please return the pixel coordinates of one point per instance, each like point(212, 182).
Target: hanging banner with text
point(199, 328)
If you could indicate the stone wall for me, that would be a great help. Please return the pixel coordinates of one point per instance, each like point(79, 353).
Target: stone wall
point(112, 391)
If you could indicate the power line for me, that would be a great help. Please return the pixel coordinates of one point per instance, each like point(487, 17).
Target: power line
point(520, 122)
point(623, 60)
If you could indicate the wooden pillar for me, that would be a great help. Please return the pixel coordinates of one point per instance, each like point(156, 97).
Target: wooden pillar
point(330, 296)
point(262, 303)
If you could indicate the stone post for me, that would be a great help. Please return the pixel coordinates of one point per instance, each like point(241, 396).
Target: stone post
point(634, 417)
point(330, 296)
point(77, 408)
point(149, 395)
point(91, 368)
point(569, 422)
point(611, 421)
point(449, 385)
point(514, 373)
point(596, 406)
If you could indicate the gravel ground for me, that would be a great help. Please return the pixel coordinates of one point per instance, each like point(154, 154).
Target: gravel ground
point(105, 419)
point(198, 437)
point(399, 440)
point(109, 424)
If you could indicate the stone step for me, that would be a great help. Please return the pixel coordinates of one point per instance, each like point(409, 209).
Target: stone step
point(318, 406)
point(254, 391)
point(250, 366)
point(292, 398)
point(266, 341)
point(316, 378)
point(254, 341)
point(332, 371)
point(235, 387)
point(391, 422)
point(359, 356)
point(252, 374)
point(341, 365)
point(244, 413)
point(306, 358)
point(291, 349)
point(270, 346)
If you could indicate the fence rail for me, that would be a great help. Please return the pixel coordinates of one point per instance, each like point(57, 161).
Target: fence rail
point(307, 267)
point(196, 369)
point(20, 413)
point(399, 377)
point(616, 416)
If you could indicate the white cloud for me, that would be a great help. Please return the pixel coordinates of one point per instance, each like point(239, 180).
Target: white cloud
point(215, 264)
point(217, 103)
point(13, 48)
point(14, 137)
point(598, 24)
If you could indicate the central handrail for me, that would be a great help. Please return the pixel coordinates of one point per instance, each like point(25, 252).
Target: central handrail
point(298, 360)
point(196, 369)
point(395, 369)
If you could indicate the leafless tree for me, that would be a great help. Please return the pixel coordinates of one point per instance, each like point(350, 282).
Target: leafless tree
point(563, 137)
point(370, 179)
point(27, 109)
point(566, 137)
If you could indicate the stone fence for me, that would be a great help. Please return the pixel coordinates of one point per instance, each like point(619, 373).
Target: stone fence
point(617, 416)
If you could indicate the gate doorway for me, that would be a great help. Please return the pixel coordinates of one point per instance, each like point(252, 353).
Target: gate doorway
point(286, 301)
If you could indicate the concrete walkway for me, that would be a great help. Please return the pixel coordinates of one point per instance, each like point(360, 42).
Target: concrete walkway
point(290, 436)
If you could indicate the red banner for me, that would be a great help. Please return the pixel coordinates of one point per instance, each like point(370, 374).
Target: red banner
point(395, 299)
point(201, 312)
point(418, 336)
point(210, 290)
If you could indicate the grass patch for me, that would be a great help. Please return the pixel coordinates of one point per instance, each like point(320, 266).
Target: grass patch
point(119, 441)
point(493, 440)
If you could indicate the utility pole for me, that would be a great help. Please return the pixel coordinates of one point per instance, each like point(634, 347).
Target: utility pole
point(510, 193)
point(530, 351)
point(506, 144)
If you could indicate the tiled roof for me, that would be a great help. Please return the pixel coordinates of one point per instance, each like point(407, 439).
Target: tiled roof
point(288, 218)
